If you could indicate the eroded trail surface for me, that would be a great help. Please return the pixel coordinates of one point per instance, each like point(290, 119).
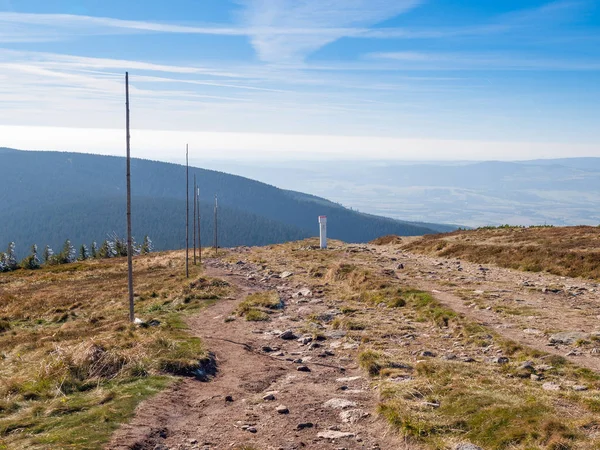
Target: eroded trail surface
point(269, 393)
point(437, 373)
point(558, 315)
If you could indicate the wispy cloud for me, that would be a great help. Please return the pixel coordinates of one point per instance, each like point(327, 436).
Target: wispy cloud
point(481, 61)
point(330, 20)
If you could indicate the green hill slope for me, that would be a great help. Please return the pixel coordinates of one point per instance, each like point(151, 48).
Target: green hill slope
point(51, 196)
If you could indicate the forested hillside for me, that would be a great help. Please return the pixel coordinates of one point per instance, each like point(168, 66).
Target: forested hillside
point(48, 197)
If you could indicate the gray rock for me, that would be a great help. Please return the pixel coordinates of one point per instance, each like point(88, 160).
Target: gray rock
point(269, 397)
point(286, 274)
point(527, 365)
point(332, 434)
point(568, 337)
point(500, 360)
point(579, 388)
point(282, 409)
point(304, 340)
point(339, 403)
point(288, 335)
point(550, 386)
point(352, 415)
point(467, 446)
point(427, 354)
point(303, 369)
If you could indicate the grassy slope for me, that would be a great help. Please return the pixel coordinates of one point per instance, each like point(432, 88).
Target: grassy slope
point(564, 251)
point(69, 358)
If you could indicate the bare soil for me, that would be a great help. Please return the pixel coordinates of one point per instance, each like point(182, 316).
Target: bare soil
point(229, 411)
point(523, 307)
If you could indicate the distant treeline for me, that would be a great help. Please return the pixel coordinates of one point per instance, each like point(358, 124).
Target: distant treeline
point(112, 247)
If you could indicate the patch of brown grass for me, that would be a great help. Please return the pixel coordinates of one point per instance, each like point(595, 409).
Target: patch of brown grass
point(66, 335)
point(564, 251)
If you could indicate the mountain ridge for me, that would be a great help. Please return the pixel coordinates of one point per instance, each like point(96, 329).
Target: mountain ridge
point(52, 193)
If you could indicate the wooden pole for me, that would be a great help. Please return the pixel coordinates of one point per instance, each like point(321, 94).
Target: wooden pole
point(199, 228)
point(216, 224)
point(187, 213)
point(129, 239)
point(195, 205)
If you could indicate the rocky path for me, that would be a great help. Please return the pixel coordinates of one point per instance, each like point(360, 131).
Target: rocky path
point(554, 314)
point(269, 392)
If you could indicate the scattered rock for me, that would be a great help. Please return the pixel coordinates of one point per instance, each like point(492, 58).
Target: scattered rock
point(286, 274)
point(348, 379)
point(269, 397)
point(339, 403)
point(568, 337)
point(535, 377)
point(288, 335)
point(579, 388)
point(303, 426)
point(533, 331)
point(304, 340)
point(527, 365)
point(229, 398)
point(303, 369)
point(353, 415)
point(467, 446)
point(252, 429)
point(550, 386)
point(500, 360)
point(282, 409)
point(427, 354)
point(331, 434)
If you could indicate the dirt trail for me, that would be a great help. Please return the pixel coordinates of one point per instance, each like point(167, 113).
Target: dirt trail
point(525, 307)
point(196, 415)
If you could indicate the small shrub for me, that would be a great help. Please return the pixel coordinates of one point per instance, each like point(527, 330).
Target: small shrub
point(4, 326)
point(255, 315)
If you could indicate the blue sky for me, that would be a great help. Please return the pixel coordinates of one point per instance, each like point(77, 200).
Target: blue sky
point(393, 79)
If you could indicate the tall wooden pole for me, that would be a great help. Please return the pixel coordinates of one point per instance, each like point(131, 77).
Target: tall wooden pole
point(129, 239)
point(187, 213)
point(199, 228)
point(216, 224)
point(195, 205)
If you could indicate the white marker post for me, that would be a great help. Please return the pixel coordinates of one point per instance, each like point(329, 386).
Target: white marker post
point(323, 230)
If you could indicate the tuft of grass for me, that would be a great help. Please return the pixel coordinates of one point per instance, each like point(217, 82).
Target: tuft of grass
point(255, 315)
point(265, 302)
point(346, 323)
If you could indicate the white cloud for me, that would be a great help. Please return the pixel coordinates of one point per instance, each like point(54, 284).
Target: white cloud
point(330, 20)
point(481, 61)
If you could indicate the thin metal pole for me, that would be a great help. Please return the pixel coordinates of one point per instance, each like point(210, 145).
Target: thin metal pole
point(187, 213)
point(195, 204)
point(216, 223)
point(129, 239)
point(199, 228)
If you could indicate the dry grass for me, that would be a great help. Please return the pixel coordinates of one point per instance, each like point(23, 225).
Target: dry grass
point(435, 401)
point(70, 358)
point(257, 307)
point(390, 239)
point(565, 251)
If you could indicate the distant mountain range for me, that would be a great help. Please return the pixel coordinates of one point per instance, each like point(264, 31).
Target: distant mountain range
point(48, 197)
point(555, 191)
